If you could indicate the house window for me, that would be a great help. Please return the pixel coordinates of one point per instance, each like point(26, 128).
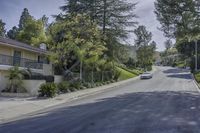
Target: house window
point(17, 58)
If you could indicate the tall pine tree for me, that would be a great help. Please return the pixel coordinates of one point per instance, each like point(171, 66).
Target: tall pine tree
point(113, 16)
point(24, 17)
point(2, 28)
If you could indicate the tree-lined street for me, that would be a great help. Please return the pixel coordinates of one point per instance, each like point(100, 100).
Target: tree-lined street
point(167, 103)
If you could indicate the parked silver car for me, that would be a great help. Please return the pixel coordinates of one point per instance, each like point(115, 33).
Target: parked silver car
point(146, 75)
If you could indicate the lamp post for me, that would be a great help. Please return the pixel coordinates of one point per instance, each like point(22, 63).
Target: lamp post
point(196, 55)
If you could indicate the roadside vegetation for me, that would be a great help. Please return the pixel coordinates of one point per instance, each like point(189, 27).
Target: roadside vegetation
point(197, 76)
point(180, 22)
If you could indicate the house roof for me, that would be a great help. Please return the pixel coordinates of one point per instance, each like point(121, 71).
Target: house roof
point(17, 44)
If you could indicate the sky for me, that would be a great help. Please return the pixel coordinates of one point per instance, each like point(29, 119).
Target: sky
point(10, 12)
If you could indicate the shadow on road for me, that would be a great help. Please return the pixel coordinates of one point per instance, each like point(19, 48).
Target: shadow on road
point(182, 76)
point(145, 112)
point(175, 70)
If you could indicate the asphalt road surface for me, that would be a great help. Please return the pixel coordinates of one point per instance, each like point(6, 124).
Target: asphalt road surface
point(167, 103)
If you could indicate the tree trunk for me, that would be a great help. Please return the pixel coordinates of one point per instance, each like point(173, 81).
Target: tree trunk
point(81, 70)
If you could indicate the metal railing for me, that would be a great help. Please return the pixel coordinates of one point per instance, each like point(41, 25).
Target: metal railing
point(21, 62)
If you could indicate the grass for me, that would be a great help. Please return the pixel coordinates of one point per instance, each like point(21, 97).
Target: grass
point(125, 74)
point(197, 76)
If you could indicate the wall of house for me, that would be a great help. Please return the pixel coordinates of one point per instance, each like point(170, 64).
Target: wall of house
point(47, 69)
point(6, 50)
point(3, 80)
point(30, 55)
point(32, 86)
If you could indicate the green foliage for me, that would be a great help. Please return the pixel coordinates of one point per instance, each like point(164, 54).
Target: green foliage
point(2, 28)
point(77, 38)
point(117, 74)
point(143, 37)
point(15, 77)
point(12, 34)
point(178, 19)
point(63, 87)
point(25, 16)
point(197, 76)
point(145, 49)
point(32, 33)
point(110, 15)
point(131, 63)
point(134, 71)
point(76, 85)
point(48, 90)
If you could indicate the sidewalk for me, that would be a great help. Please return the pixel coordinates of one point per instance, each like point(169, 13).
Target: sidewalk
point(11, 108)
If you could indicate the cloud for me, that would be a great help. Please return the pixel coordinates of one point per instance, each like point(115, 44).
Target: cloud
point(145, 12)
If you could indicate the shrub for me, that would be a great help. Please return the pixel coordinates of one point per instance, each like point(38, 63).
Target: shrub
point(63, 87)
point(15, 78)
point(48, 90)
point(76, 85)
point(197, 76)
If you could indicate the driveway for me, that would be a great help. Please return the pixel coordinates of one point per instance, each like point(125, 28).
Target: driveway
point(167, 103)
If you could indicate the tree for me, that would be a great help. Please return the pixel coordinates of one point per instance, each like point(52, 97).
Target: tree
point(143, 37)
point(77, 38)
point(145, 49)
point(179, 19)
point(114, 15)
point(2, 28)
point(45, 20)
point(24, 18)
point(12, 34)
point(153, 45)
point(33, 32)
point(168, 44)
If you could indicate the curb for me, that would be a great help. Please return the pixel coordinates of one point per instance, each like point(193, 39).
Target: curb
point(108, 87)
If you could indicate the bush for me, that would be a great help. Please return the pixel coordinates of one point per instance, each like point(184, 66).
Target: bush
point(48, 90)
point(76, 85)
point(63, 87)
point(197, 76)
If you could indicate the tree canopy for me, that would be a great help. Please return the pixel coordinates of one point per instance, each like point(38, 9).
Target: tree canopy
point(77, 38)
point(145, 48)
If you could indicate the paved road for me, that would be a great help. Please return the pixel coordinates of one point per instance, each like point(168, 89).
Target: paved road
point(168, 103)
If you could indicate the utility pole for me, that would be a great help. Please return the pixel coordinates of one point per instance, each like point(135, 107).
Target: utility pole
point(196, 56)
